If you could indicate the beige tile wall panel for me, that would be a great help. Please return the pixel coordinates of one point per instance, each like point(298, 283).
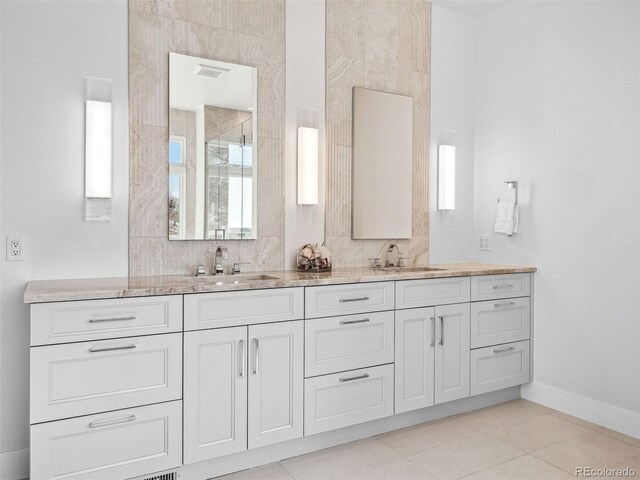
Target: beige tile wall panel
point(210, 29)
point(382, 45)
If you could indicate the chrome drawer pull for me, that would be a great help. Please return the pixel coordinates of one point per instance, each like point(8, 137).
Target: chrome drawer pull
point(242, 364)
point(359, 299)
point(116, 421)
point(109, 349)
point(112, 319)
point(500, 287)
point(441, 342)
point(506, 304)
point(359, 377)
point(351, 322)
point(503, 350)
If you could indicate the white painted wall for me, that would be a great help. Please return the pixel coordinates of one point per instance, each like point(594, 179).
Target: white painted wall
point(48, 49)
point(304, 104)
point(453, 57)
point(558, 108)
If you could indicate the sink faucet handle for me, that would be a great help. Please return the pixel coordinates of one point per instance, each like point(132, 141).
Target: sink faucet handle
point(200, 270)
point(400, 261)
point(236, 267)
point(375, 262)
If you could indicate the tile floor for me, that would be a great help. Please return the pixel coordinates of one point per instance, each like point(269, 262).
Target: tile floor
point(517, 440)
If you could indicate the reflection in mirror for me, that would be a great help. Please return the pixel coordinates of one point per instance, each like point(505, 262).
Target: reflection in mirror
point(212, 157)
point(382, 165)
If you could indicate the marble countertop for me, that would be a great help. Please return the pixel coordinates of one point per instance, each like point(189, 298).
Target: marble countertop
point(98, 288)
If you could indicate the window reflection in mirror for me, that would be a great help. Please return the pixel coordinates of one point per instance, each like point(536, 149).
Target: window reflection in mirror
point(212, 155)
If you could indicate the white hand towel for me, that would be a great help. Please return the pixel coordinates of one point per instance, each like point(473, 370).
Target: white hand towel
point(506, 219)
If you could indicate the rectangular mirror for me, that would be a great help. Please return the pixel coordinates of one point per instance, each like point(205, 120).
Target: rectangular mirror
point(382, 165)
point(212, 154)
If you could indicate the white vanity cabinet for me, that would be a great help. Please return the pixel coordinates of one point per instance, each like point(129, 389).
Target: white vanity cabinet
point(242, 388)
point(460, 341)
point(500, 332)
point(106, 388)
point(128, 388)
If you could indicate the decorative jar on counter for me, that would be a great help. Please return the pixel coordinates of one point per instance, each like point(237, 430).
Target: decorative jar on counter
point(314, 258)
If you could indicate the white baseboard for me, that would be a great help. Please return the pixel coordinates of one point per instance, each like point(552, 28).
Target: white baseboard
point(14, 465)
point(609, 416)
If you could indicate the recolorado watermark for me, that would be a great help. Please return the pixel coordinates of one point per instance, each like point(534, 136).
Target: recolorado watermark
point(590, 472)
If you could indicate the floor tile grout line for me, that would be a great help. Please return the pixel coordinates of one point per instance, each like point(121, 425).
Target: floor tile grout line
point(554, 466)
point(524, 454)
point(495, 437)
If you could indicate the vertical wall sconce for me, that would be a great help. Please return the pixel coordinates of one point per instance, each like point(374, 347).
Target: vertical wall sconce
point(98, 150)
point(307, 166)
point(446, 177)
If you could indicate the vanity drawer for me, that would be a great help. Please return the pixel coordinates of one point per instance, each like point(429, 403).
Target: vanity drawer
point(246, 307)
point(502, 366)
point(500, 321)
point(337, 344)
point(344, 399)
point(79, 321)
point(331, 300)
point(490, 287)
point(82, 378)
point(432, 291)
point(122, 444)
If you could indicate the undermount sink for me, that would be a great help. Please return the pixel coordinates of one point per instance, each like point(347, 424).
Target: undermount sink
point(409, 269)
point(231, 279)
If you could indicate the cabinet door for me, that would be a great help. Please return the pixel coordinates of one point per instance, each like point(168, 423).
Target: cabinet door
point(215, 393)
point(453, 332)
point(276, 376)
point(414, 365)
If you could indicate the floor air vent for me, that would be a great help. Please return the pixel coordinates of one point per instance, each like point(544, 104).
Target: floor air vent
point(162, 476)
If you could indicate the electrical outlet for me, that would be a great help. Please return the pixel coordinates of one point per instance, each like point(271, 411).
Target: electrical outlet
point(484, 243)
point(15, 248)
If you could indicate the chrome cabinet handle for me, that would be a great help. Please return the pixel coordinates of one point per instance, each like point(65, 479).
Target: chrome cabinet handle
point(500, 287)
point(349, 379)
point(255, 358)
point(441, 342)
point(112, 319)
point(113, 421)
point(109, 349)
point(503, 350)
point(433, 331)
point(359, 299)
point(242, 356)
point(351, 322)
point(506, 304)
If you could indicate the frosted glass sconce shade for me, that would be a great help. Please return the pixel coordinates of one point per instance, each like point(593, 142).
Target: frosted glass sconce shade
point(446, 177)
point(307, 166)
point(98, 149)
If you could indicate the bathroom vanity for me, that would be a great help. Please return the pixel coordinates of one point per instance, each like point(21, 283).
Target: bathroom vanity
point(202, 376)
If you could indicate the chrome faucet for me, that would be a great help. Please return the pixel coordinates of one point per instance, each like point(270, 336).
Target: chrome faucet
point(400, 261)
point(221, 254)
